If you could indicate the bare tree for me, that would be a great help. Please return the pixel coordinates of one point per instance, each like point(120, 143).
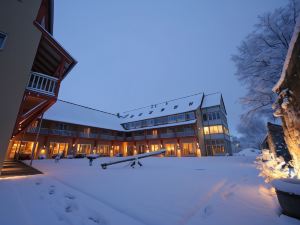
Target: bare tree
point(253, 131)
point(261, 55)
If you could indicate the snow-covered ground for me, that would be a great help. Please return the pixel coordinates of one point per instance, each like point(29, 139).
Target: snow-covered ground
point(165, 191)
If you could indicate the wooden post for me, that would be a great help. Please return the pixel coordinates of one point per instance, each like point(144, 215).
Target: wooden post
point(36, 139)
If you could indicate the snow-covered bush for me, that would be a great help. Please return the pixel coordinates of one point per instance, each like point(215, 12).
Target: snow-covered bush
point(273, 167)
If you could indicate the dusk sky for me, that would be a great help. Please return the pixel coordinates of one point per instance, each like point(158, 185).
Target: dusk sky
point(135, 53)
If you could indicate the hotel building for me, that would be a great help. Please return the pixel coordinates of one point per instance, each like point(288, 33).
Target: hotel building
point(190, 126)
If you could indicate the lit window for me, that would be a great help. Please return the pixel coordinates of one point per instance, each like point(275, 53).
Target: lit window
point(2, 39)
point(154, 132)
point(206, 130)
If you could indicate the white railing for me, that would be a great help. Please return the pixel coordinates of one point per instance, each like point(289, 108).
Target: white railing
point(42, 83)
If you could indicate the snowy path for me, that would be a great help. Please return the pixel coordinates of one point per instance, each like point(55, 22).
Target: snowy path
point(164, 191)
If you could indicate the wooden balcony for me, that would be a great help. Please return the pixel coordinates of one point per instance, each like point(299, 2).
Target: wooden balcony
point(42, 84)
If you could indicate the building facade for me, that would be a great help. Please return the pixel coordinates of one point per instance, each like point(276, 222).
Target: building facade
point(32, 65)
point(190, 126)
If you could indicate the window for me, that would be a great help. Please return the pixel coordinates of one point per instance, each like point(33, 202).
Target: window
point(180, 117)
point(214, 116)
point(86, 130)
point(172, 119)
point(175, 106)
point(191, 103)
point(151, 112)
point(154, 132)
point(62, 126)
point(140, 114)
point(138, 124)
point(2, 40)
point(190, 116)
point(150, 122)
point(204, 117)
point(163, 109)
point(218, 115)
point(209, 116)
point(217, 129)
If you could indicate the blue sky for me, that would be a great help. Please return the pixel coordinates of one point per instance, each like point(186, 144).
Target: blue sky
point(136, 52)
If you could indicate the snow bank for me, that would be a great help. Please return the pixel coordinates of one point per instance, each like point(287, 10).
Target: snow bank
point(249, 152)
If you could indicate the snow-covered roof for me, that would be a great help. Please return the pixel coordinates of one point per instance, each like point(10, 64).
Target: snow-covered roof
point(288, 56)
point(171, 107)
point(211, 100)
point(67, 112)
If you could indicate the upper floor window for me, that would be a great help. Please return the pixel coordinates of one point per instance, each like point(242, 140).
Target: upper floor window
point(63, 126)
point(3, 37)
point(86, 130)
point(175, 106)
point(180, 117)
point(190, 116)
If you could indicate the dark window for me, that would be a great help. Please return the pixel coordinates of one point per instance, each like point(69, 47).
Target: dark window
point(140, 114)
point(218, 115)
point(131, 116)
point(2, 39)
point(163, 109)
point(151, 112)
point(175, 106)
point(214, 116)
point(204, 117)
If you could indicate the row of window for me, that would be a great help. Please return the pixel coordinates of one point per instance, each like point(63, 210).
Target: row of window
point(211, 116)
point(160, 121)
point(216, 129)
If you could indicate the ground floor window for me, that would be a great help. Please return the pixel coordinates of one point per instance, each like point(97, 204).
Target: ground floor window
point(188, 149)
point(141, 149)
point(170, 149)
point(154, 148)
point(116, 149)
point(84, 148)
point(103, 150)
point(215, 147)
point(58, 148)
point(24, 148)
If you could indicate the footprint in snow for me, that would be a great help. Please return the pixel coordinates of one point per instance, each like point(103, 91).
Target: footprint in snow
point(97, 219)
point(70, 207)
point(227, 194)
point(207, 211)
point(69, 196)
point(51, 190)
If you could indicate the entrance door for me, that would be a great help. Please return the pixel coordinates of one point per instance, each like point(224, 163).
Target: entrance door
point(170, 149)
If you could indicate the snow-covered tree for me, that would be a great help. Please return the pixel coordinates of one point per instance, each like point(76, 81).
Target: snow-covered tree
point(261, 55)
point(252, 130)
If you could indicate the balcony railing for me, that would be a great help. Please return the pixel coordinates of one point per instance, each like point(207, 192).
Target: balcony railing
point(87, 135)
point(138, 138)
point(42, 83)
point(150, 136)
point(167, 135)
point(120, 138)
point(186, 133)
point(107, 137)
